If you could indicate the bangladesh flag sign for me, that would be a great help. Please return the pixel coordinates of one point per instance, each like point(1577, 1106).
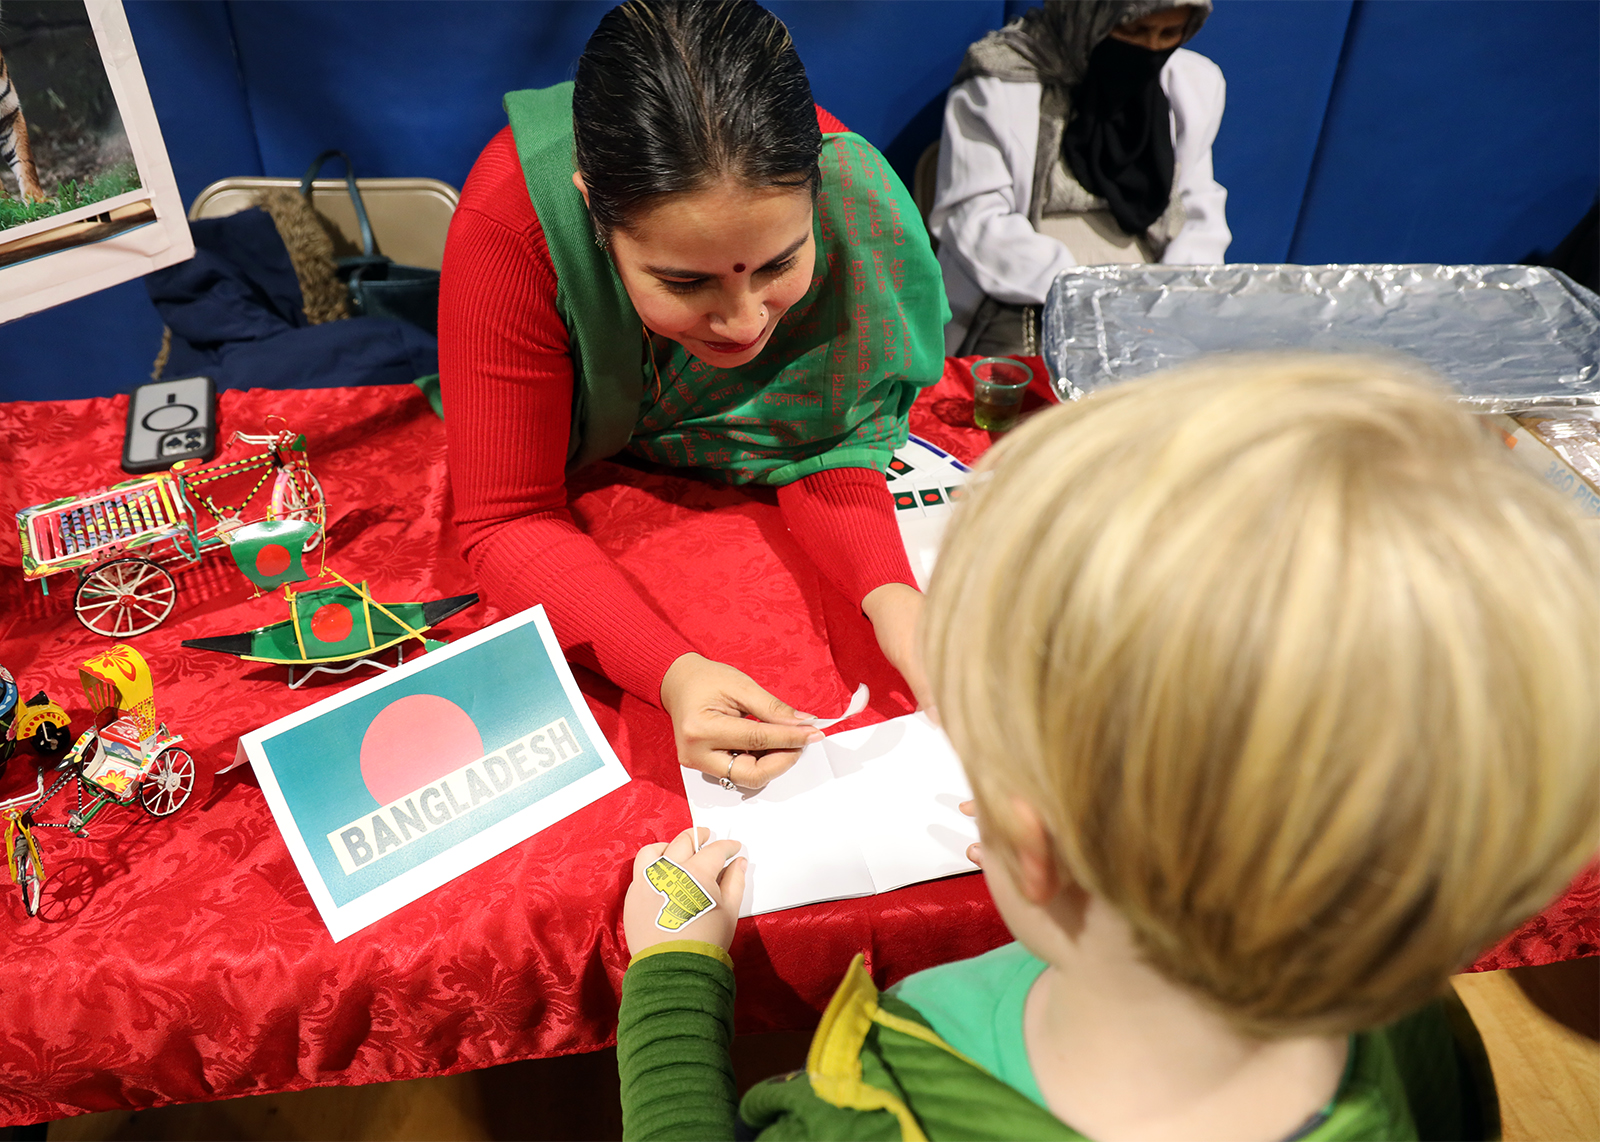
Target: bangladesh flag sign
point(269, 553)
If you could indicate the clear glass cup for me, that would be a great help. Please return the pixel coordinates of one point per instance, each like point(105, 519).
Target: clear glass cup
point(998, 385)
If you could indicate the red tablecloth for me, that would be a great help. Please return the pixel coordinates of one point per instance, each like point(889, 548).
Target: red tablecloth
point(180, 960)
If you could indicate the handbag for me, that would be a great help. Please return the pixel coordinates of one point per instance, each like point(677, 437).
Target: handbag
point(379, 286)
point(1000, 329)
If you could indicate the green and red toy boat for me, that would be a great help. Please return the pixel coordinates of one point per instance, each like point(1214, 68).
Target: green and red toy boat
point(329, 628)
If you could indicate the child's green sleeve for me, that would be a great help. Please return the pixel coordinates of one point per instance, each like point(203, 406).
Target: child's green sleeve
point(673, 1032)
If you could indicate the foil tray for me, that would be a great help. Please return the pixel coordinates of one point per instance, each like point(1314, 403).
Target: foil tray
point(1509, 338)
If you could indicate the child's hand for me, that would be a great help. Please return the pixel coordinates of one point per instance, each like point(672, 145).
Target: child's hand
point(676, 909)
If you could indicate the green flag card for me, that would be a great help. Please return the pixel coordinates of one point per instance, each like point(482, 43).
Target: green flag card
point(269, 553)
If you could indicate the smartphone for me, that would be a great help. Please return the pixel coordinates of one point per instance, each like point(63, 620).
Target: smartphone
point(170, 421)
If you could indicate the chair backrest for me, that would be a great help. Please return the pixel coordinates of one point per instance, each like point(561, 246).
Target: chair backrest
point(410, 216)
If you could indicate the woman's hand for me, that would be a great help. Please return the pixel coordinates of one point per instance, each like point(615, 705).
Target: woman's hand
point(711, 704)
point(975, 849)
point(644, 904)
point(894, 609)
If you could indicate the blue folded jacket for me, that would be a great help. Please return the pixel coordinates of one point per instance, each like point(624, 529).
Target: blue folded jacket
point(235, 312)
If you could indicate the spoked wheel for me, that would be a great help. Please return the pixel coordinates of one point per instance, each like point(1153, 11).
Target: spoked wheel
point(28, 878)
point(168, 784)
point(298, 495)
point(125, 597)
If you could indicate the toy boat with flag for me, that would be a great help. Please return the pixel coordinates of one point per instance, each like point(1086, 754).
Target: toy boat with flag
point(334, 624)
point(328, 625)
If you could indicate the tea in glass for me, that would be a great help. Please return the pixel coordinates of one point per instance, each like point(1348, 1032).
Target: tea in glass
point(998, 386)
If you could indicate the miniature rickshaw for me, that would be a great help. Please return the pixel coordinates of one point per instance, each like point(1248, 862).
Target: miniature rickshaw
point(133, 757)
point(44, 726)
point(126, 758)
point(121, 540)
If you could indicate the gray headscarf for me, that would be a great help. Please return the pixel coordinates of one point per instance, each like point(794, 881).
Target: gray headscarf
point(1051, 45)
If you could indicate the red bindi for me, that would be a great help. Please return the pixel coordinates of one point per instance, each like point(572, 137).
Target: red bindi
point(738, 267)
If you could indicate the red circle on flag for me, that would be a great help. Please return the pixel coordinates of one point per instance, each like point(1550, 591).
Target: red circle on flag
point(272, 559)
point(332, 623)
point(413, 741)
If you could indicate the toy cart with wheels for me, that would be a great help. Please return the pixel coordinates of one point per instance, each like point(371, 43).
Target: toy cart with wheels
point(124, 540)
point(131, 758)
point(44, 726)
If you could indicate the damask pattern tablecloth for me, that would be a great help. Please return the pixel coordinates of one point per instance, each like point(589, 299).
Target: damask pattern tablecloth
point(181, 959)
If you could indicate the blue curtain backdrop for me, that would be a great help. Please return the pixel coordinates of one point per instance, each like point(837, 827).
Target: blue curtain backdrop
point(1356, 130)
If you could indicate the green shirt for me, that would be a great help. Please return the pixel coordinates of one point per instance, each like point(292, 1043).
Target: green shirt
point(976, 1006)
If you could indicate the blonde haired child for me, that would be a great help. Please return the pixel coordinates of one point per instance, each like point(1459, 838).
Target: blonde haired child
point(1275, 682)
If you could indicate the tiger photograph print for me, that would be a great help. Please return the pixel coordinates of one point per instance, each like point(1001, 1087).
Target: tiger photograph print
point(63, 145)
point(16, 154)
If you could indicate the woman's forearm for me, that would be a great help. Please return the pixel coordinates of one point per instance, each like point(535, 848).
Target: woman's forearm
point(597, 615)
point(844, 520)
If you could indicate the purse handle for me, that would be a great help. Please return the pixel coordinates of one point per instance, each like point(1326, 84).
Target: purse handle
point(367, 244)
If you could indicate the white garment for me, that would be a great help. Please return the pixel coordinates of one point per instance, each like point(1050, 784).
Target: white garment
point(986, 165)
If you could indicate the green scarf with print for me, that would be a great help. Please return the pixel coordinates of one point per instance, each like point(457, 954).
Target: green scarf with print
point(834, 384)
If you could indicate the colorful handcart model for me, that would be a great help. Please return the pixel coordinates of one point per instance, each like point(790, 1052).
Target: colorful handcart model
point(127, 758)
point(122, 540)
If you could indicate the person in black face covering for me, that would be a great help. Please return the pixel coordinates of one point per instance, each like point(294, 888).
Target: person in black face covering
point(1079, 134)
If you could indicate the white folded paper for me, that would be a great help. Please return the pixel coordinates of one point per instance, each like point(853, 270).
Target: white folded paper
point(861, 812)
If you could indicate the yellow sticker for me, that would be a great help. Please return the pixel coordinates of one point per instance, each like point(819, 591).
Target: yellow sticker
point(686, 900)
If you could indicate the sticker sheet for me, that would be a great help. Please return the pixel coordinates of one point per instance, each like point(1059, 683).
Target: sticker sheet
point(925, 482)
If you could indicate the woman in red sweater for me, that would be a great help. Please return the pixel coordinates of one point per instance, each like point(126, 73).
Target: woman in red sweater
point(670, 258)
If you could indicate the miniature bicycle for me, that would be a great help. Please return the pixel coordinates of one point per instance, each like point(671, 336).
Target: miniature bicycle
point(22, 853)
point(121, 540)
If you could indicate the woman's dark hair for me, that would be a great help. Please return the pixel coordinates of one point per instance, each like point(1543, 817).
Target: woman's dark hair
point(676, 95)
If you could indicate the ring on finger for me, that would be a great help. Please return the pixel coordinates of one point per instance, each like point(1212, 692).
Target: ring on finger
point(726, 780)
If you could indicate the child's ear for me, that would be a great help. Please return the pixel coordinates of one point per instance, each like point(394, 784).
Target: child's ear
point(1033, 855)
point(577, 181)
